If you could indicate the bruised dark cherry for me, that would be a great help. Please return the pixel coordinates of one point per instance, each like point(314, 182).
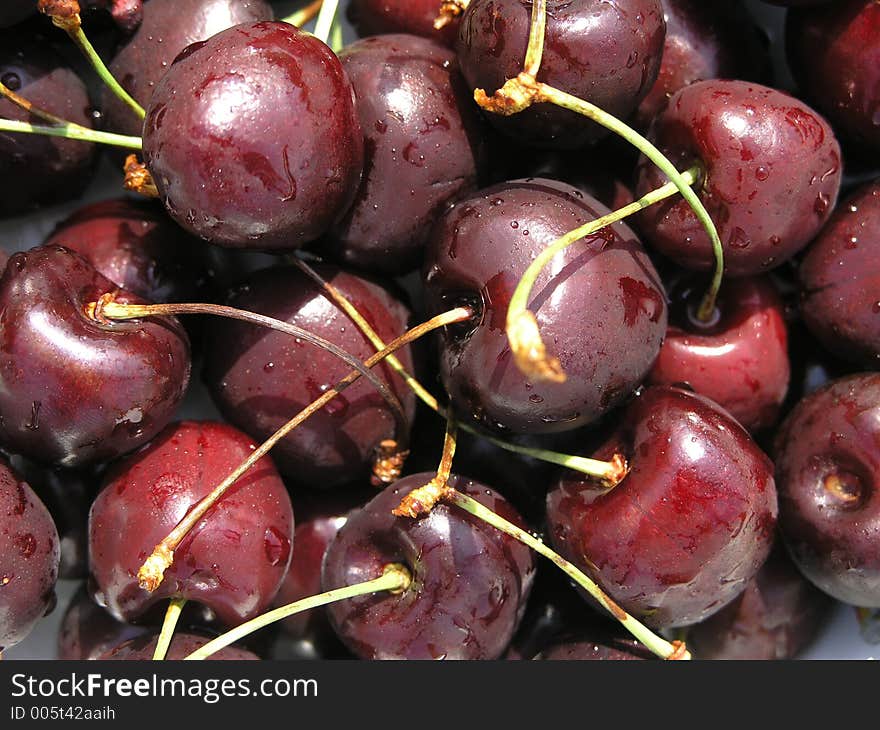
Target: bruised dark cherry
point(182, 645)
point(422, 148)
point(606, 53)
point(75, 390)
point(739, 359)
point(233, 561)
point(690, 524)
point(253, 139)
point(772, 175)
point(29, 555)
point(827, 468)
point(600, 306)
point(470, 581)
point(261, 378)
point(380, 17)
point(840, 280)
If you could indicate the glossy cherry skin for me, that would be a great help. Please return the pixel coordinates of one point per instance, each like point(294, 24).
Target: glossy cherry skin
point(772, 175)
point(606, 53)
point(827, 467)
point(703, 41)
point(182, 645)
point(739, 359)
point(167, 28)
point(261, 378)
point(88, 631)
point(34, 169)
point(233, 561)
point(136, 246)
point(253, 139)
point(840, 280)
point(600, 306)
point(375, 17)
point(690, 524)
point(606, 649)
point(422, 149)
point(470, 581)
point(29, 555)
point(834, 53)
point(775, 617)
point(73, 390)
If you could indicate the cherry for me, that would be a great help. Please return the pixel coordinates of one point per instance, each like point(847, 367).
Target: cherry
point(606, 53)
point(235, 558)
point(690, 524)
point(29, 554)
point(141, 648)
point(602, 308)
point(840, 279)
point(260, 379)
point(422, 149)
point(470, 581)
point(75, 390)
point(739, 359)
point(127, 14)
point(252, 138)
point(612, 648)
point(167, 28)
point(775, 617)
point(834, 53)
point(88, 631)
point(827, 466)
point(772, 175)
point(375, 17)
point(38, 170)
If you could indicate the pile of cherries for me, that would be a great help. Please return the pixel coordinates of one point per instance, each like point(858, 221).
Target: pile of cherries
point(748, 435)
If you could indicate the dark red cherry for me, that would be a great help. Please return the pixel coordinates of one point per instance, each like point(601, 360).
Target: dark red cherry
point(422, 149)
point(601, 307)
point(739, 359)
point(689, 526)
point(834, 52)
point(840, 280)
point(127, 14)
point(827, 469)
point(29, 554)
point(74, 390)
point(34, 169)
point(88, 631)
point(775, 617)
point(606, 53)
point(14, 11)
point(233, 561)
point(375, 17)
point(253, 139)
point(703, 41)
point(167, 28)
point(470, 581)
point(612, 648)
point(182, 645)
point(261, 378)
point(772, 175)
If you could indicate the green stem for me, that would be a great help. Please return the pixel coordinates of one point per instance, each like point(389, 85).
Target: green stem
point(325, 19)
point(72, 131)
point(395, 578)
point(656, 644)
point(537, 31)
point(304, 15)
point(167, 634)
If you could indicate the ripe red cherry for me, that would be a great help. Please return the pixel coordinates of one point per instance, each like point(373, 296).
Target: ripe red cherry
point(591, 649)
point(739, 359)
point(606, 53)
point(73, 390)
point(470, 581)
point(840, 280)
point(827, 467)
point(253, 139)
point(88, 631)
point(182, 645)
point(600, 306)
point(689, 526)
point(772, 175)
point(375, 17)
point(29, 554)
point(233, 561)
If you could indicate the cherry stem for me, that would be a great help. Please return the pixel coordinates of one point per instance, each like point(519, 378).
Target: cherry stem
point(529, 351)
point(172, 615)
point(152, 571)
point(70, 130)
point(537, 30)
point(449, 9)
point(106, 309)
point(654, 643)
point(304, 15)
point(326, 18)
point(395, 578)
point(422, 499)
point(609, 473)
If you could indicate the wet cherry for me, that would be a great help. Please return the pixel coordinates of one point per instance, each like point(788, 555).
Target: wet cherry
point(182, 645)
point(375, 17)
